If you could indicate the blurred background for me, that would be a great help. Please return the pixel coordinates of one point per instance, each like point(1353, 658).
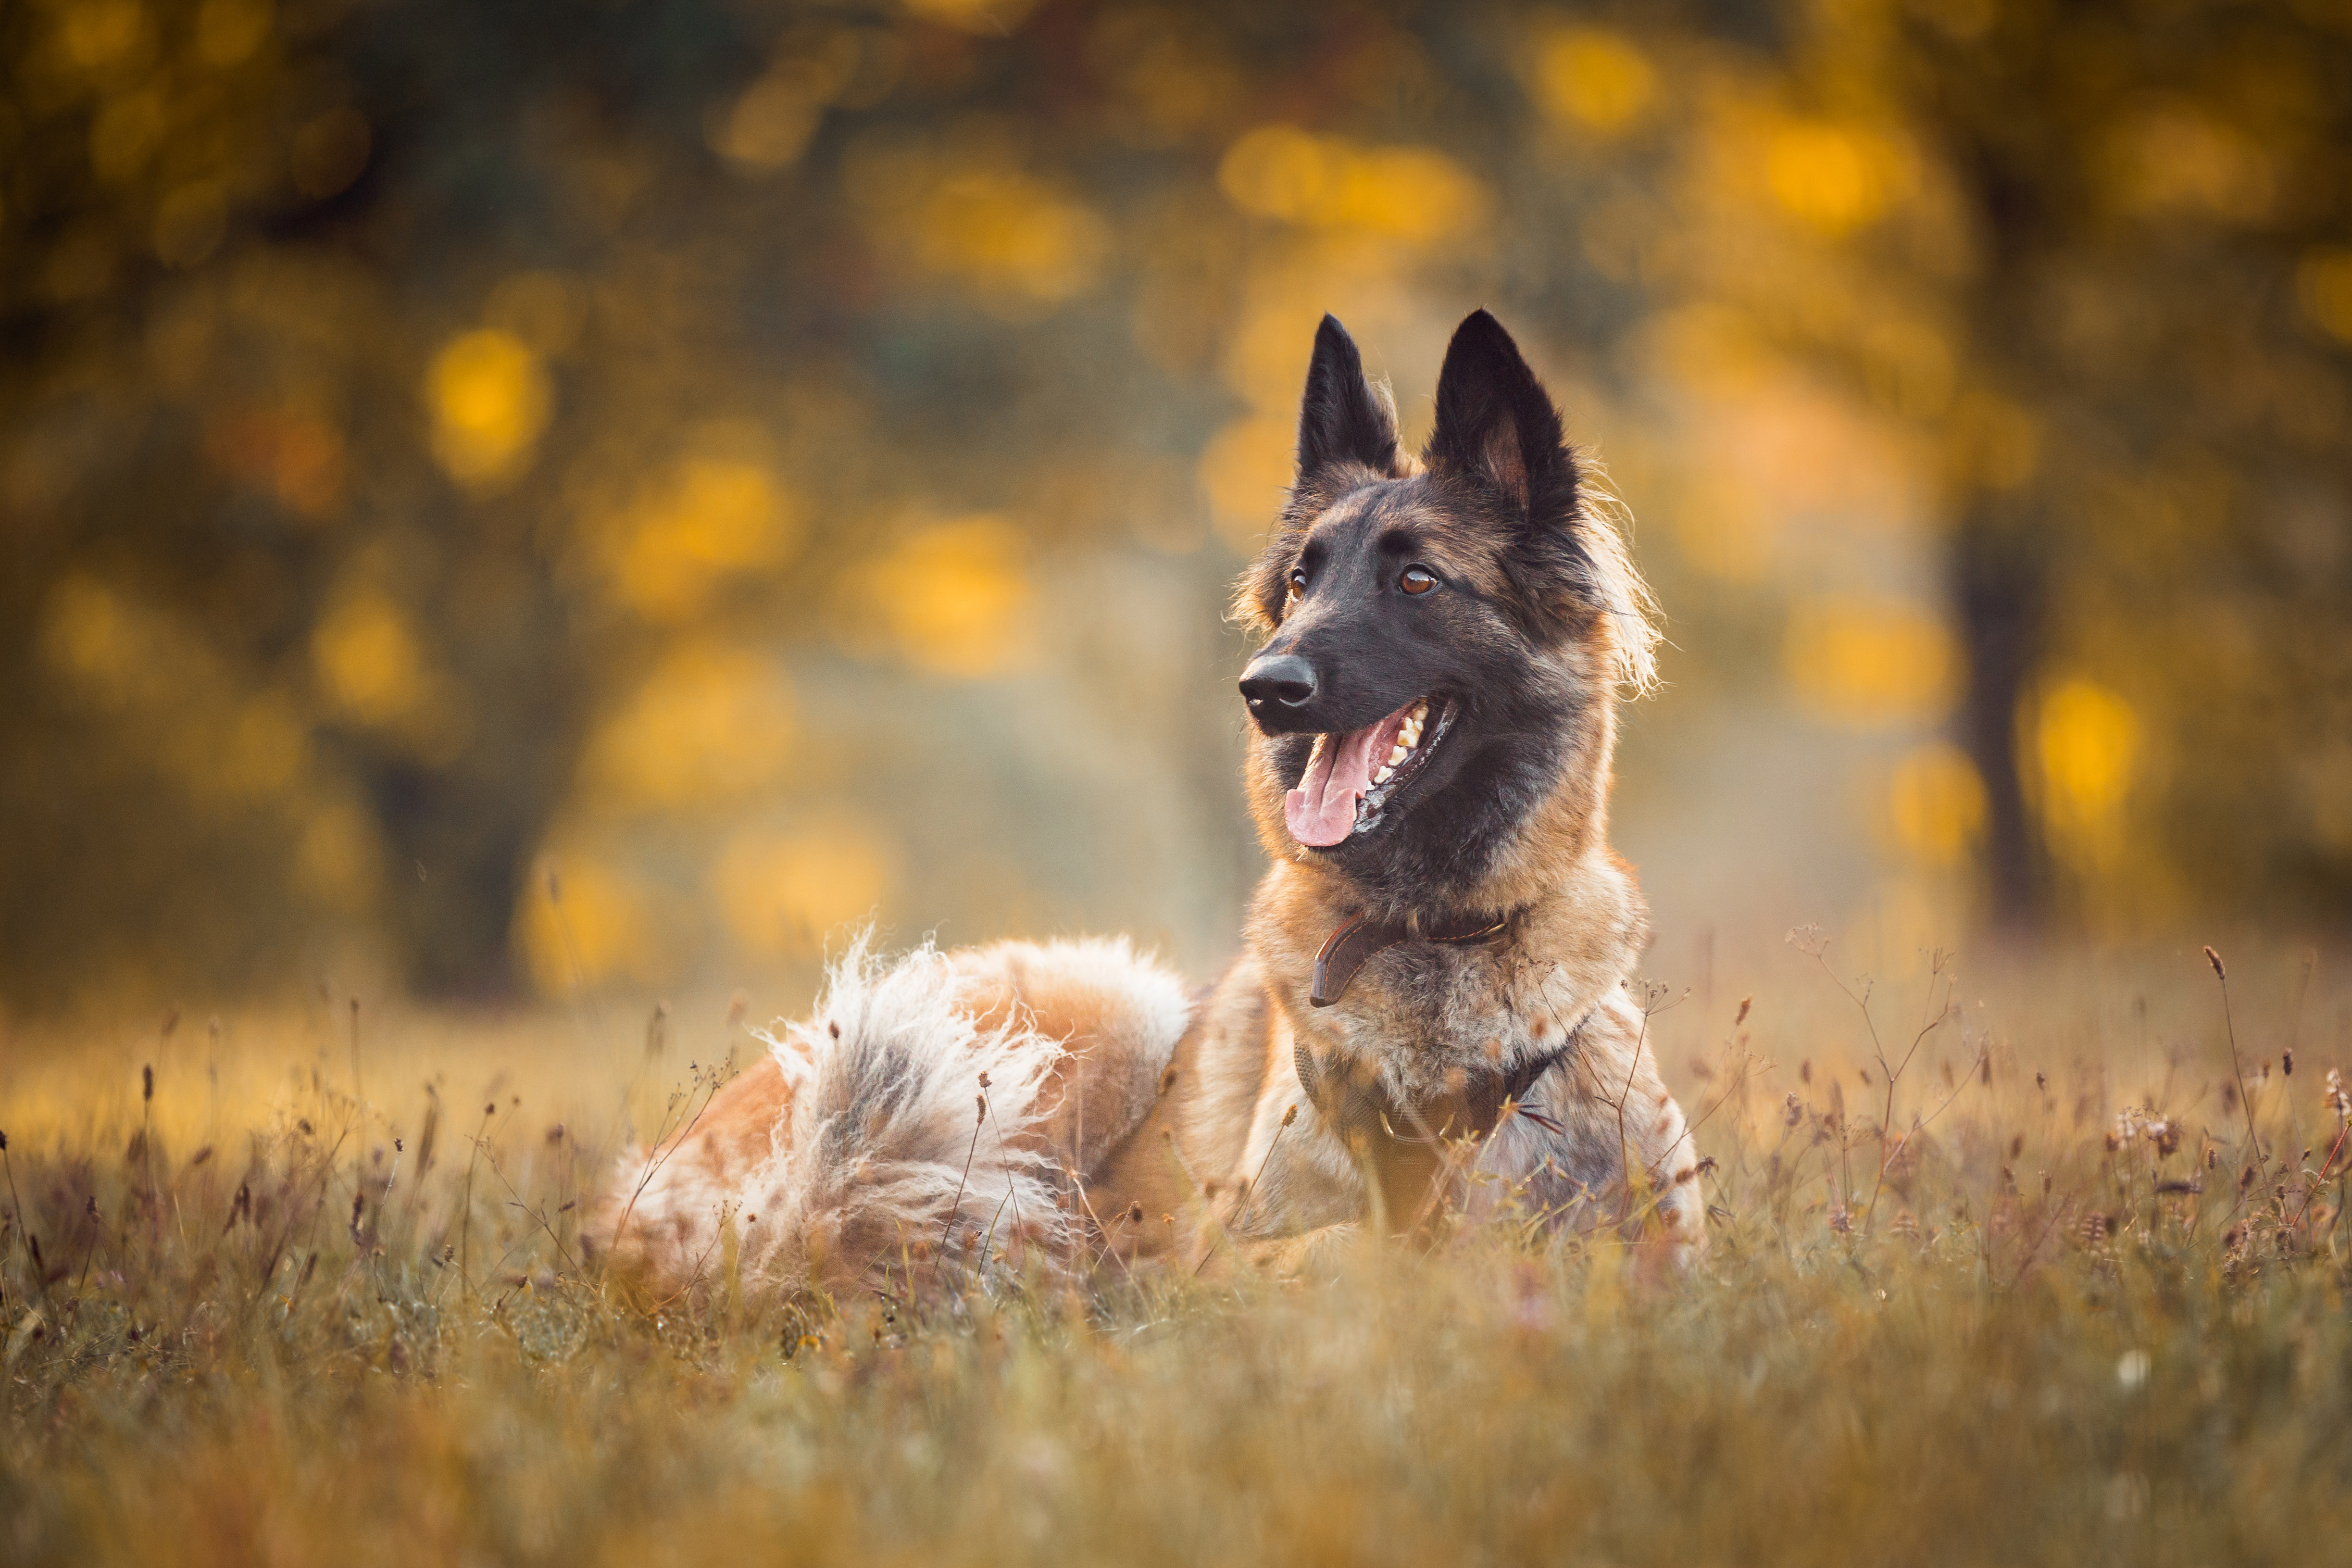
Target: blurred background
point(585, 499)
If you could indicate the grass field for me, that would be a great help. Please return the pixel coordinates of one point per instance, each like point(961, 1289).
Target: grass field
point(316, 1300)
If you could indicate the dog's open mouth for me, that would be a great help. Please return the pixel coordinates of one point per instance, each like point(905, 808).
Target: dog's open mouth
point(1351, 777)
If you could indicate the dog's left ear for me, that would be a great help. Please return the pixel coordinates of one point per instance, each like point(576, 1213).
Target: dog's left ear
point(1497, 426)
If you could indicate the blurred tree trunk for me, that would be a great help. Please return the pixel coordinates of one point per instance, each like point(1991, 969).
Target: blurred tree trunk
point(457, 861)
point(1998, 592)
point(459, 844)
point(1996, 129)
point(459, 837)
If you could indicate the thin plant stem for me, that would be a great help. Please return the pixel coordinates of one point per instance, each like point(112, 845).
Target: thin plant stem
point(2228, 1023)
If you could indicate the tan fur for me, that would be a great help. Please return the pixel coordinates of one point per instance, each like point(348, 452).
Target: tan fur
point(1115, 1039)
point(662, 1229)
point(855, 1145)
point(1146, 1127)
point(1430, 1017)
point(1164, 1147)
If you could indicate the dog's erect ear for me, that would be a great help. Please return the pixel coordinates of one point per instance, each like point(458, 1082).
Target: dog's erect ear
point(1342, 419)
point(1497, 426)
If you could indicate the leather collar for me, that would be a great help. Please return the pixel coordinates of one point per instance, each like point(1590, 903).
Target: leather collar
point(1348, 947)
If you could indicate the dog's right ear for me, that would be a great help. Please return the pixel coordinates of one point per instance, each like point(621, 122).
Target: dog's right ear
point(1347, 437)
point(1344, 421)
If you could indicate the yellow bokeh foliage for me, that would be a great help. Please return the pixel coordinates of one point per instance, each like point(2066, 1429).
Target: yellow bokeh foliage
point(227, 742)
point(951, 597)
point(1992, 444)
point(2179, 158)
point(770, 125)
point(294, 453)
point(717, 517)
point(1936, 801)
point(1722, 527)
point(339, 857)
point(1244, 471)
point(1410, 193)
point(1169, 77)
point(268, 746)
point(2324, 283)
point(1869, 662)
point(229, 32)
point(437, 481)
point(124, 133)
point(489, 398)
point(97, 34)
point(1835, 178)
point(374, 670)
point(1591, 77)
point(331, 152)
point(190, 224)
point(583, 922)
point(784, 893)
point(2085, 745)
point(972, 15)
point(88, 632)
point(370, 662)
point(1011, 233)
point(1018, 241)
point(707, 724)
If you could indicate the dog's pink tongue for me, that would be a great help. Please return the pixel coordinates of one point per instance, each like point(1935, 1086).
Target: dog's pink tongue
point(1322, 810)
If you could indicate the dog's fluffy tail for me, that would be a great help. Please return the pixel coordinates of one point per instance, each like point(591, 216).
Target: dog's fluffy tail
point(886, 1127)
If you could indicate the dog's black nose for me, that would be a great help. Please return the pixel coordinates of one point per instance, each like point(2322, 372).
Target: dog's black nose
point(1284, 679)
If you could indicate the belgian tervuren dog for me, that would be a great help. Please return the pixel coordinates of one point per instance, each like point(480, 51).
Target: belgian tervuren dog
point(1433, 1007)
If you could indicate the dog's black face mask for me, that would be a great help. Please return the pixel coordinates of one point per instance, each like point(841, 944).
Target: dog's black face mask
point(1420, 689)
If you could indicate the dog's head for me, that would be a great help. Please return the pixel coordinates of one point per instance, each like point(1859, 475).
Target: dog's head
point(1442, 636)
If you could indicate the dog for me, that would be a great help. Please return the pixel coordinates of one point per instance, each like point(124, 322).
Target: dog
point(1432, 1013)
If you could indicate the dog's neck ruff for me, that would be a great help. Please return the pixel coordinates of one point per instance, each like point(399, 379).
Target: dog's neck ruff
point(1355, 1108)
point(1349, 947)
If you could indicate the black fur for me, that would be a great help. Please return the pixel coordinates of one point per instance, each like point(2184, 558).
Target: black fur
point(1496, 516)
point(1342, 422)
point(1497, 426)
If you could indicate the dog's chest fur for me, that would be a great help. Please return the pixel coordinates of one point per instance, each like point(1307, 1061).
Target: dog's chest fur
point(1429, 1019)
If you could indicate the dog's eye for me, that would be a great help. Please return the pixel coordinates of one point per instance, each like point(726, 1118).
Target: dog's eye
point(1417, 580)
point(1297, 582)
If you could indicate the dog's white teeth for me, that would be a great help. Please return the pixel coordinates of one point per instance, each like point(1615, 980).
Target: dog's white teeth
point(1410, 734)
point(1398, 753)
point(1384, 775)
